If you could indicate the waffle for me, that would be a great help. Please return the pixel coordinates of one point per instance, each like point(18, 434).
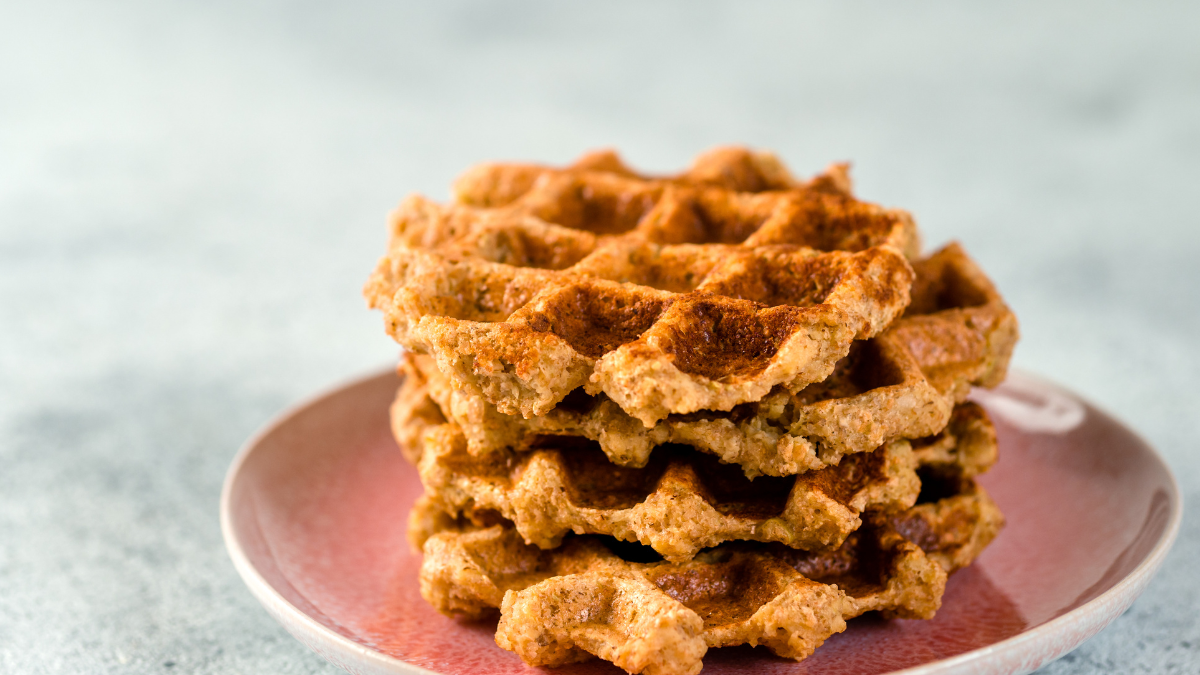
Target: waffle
point(901, 384)
point(666, 296)
point(522, 339)
point(730, 195)
point(595, 596)
point(875, 394)
point(683, 501)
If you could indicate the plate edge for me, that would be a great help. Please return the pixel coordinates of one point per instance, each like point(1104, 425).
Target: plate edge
point(288, 615)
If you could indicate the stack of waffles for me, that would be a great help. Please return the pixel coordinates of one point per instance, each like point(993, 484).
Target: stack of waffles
point(655, 415)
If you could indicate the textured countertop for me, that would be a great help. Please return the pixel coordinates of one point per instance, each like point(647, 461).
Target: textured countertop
point(192, 194)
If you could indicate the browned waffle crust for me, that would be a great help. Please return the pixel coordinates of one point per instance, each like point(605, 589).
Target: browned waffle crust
point(730, 195)
point(957, 326)
point(498, 184)
point(701, 298)
point(522, 339)
point(585, 599)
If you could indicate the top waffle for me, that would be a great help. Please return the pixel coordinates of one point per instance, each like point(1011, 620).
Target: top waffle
point(667, 295)
point(729, 196)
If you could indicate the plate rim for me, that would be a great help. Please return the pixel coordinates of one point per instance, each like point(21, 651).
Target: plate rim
point(280, 608)
point(1094, 615)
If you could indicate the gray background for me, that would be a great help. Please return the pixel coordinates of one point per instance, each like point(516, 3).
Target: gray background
point(192, 194)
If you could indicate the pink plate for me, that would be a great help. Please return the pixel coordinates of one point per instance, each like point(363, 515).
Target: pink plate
point(314, 510)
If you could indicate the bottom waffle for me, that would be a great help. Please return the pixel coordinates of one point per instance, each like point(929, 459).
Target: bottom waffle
point(595, 596)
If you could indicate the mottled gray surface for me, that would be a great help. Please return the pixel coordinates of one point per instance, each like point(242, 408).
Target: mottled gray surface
point(191, 195)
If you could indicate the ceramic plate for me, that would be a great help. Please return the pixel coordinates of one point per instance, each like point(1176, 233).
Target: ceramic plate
point(314, 511)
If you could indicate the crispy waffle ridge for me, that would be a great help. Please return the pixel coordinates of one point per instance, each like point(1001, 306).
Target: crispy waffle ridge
point(591, 597)
point(962, 334)
point(668, 296)
point(492, 184)
point(683, 501)
point(730, 195)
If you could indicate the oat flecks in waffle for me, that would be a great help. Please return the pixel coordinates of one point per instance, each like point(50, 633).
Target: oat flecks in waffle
point(901, 384)
point(668, 296)
point(683, 501)
point(585, 599)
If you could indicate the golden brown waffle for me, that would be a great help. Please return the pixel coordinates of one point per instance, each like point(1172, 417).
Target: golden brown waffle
point(522, 339)
point(878, 392)
point(730, 196)
point(683, 501)
point(591, 597)
point(666, 296)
